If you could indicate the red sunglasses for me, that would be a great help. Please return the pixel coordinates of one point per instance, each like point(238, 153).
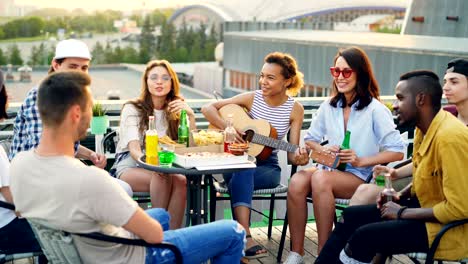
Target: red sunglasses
point(335, 72)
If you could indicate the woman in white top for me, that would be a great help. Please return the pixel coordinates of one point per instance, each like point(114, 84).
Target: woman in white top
point(16, 235)
point(160, 96)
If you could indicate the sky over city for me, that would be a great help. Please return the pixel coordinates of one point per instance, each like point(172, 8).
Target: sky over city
point(104, 4)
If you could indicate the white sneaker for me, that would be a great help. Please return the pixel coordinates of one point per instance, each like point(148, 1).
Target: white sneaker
point(294, 258)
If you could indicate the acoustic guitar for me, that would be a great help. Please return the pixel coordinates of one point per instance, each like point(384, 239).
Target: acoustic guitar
point(258, 132)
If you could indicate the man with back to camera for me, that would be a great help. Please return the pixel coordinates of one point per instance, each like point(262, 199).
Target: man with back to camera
point(48, 184)
point(70, 55)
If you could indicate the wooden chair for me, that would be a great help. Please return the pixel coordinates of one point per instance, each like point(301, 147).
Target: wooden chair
point(59, 247)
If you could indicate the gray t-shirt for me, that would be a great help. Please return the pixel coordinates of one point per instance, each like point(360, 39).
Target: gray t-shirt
point(71, 196)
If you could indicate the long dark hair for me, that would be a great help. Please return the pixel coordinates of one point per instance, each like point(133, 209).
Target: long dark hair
point(366, 85)
point(3, 99)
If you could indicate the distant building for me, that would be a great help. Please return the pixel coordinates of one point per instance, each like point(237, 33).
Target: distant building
point(438, 18)
point(127, 26)
point(215, 12)
point(6, 7)
point(9, 8)
point(424, 44)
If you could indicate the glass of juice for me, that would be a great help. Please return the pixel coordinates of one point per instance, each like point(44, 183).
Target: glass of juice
point(166, 155)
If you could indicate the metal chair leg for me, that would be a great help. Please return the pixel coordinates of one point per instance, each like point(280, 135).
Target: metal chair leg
point(271, 215)
point(283, 238)
point(212, 200)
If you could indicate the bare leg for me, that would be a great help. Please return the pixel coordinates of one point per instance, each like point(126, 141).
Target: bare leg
point(326, 185)
point(139, 179)
point(158, 185)
point(178, 200)
point(160, 190)
point(299, 188)
point(365, 194)
point(242, 214)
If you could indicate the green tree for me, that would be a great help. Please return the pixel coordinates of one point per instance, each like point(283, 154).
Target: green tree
point(98, 54)
point(130, 55)
point(33, 59)
point(210, 45)
point(14, 55)
point(166, 44)
point(109, 53)
point(38, 55)
point(196, 53)
point(3, 59)
point(147, 41)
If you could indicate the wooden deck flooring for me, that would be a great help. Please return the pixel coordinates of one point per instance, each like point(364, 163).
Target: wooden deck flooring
point(272, 245)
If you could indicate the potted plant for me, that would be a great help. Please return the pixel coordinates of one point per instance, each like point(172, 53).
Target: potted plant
point(99, 122)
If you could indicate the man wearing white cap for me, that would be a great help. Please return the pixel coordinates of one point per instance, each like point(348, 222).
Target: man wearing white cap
point(70, 55)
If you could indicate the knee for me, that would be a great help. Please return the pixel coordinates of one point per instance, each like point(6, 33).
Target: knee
point(365, 194)
point(127, 188)
point(361, 189)
point(321, 182)
point(181, 181)
point(160, 215)
point(299, 185)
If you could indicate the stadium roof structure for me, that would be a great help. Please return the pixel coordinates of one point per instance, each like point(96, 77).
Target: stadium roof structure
point(280, 10)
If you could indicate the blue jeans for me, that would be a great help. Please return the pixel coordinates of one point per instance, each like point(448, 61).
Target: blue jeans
point(242, 184)
point(221, 241)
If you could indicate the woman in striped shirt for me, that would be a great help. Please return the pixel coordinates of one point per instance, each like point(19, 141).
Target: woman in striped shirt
point(279, 79)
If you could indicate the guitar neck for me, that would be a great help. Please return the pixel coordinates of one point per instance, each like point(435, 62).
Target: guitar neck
point(274, 143)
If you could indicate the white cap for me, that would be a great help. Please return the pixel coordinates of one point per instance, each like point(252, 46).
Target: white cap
point(72, 48)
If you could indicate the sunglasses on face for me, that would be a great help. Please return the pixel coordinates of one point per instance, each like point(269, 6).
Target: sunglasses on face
point(155, 77)
point(335, 72)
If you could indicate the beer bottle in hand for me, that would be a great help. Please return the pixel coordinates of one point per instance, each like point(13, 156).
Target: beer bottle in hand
point(183, 130)
point(388, 192)
point(345, 145)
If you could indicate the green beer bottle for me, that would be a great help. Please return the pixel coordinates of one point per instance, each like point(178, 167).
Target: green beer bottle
point(344, 145)
point(183, 130)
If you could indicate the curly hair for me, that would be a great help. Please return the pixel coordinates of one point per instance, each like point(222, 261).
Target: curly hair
point(290, 70)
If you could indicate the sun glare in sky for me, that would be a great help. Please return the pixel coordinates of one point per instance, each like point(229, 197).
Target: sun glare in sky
point(104, 4)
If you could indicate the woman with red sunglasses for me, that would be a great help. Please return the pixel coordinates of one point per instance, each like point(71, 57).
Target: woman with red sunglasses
point(355, 107)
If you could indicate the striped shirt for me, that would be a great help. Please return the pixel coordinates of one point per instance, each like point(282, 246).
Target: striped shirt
point(277, 116)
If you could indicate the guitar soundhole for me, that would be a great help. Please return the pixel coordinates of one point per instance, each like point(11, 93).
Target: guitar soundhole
point(248, 135)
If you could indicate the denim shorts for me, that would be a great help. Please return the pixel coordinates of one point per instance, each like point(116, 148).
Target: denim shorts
point(125, 163)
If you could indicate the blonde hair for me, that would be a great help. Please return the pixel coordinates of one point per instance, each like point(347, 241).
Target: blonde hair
point(290, 70)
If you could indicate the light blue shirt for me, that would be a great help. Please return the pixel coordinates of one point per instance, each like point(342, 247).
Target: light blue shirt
point(372, 130)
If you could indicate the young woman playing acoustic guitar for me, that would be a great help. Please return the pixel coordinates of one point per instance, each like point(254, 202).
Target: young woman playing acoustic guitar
point(279, 79)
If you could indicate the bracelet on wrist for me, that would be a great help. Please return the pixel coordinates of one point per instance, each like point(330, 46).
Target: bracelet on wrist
point(400, 212)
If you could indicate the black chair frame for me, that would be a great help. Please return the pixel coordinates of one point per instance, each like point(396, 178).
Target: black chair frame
point(113, 239)
point(309, 200)
point(10, 257)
